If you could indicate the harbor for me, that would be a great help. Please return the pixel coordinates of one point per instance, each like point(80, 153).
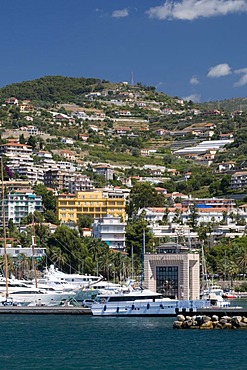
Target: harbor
point(86, 311)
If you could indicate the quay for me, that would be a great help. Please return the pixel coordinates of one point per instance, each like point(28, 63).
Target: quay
point(45, 310)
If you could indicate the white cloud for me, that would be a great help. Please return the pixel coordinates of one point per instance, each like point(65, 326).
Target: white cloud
point(194, 80)
point(243, 79)
point(219, 71)
point(193, 97)
point(120, 13)
point(193, 9)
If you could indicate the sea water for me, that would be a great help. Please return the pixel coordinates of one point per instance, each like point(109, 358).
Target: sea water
point(86, 342)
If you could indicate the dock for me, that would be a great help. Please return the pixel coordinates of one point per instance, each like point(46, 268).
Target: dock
point(45, 310)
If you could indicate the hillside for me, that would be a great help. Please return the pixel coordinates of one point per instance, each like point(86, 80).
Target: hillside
point(124, 124)
point(234, 104)
point(52, 89)
point(59, 89)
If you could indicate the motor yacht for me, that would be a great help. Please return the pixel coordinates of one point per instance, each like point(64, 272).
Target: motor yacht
point(54, 276)
point(142, 302)
point(28, 294)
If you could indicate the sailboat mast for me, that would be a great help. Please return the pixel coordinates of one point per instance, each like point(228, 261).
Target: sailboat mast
point(33, 254)
point(143, 253)
point(4, 236)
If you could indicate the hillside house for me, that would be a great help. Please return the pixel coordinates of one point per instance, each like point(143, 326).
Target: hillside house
point(238, 180)
point(12, 101)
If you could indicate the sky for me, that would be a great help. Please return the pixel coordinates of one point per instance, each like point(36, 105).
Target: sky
point(192, 49)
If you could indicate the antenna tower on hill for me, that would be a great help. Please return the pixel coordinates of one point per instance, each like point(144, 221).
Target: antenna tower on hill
point(132, 78)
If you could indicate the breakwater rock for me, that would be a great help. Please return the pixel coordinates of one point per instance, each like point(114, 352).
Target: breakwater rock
point(207, 322)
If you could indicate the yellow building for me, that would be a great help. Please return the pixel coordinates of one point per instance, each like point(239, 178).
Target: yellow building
point(93, 203)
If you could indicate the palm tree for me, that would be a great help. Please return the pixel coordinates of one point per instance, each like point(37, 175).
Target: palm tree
point(22, 266)
point(105, 262)
point(58, 257)
point(242, 260)
point(228, 268)
point(10, 264)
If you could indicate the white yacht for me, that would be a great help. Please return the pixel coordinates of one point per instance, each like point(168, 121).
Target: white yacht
point(142, 303)
point(104, 287)
point(34, 296)
point(69, 281)
point(214, 294)
point(26, 294)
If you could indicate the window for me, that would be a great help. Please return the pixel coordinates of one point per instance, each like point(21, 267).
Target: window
point(167, 281)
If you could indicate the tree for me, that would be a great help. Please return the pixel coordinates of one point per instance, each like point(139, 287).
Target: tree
point(135, 232)
point(143, 195)
point(22, 139)
point(32, 141)
point(192, 220)
point(58, 257)
point(70, 244)
point(51, 217)
point(48, 198)
point(84, 221)
point(105, 263)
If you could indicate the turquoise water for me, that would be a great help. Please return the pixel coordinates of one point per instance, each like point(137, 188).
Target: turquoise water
point(85, 342)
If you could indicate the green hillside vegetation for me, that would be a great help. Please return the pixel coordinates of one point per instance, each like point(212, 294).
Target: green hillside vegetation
point(56, 89)
point(59, 89)
point(234, 104)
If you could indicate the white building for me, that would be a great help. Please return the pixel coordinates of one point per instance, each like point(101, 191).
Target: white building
point(67, 140)
point(28, 252)
point(80, 183)
point(20, 204)
point(111, 231)
point(15, 148)
point(238, 180)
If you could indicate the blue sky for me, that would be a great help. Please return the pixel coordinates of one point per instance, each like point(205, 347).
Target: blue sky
point(192, 49)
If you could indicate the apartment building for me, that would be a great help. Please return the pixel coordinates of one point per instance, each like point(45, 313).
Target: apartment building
point(104, 170)
point(97, 204)
point(238, 180)
point(80, 183)
point(111, 231)
point(57, 179)
point(14, 185)
point(20, 204)
point(15, 148)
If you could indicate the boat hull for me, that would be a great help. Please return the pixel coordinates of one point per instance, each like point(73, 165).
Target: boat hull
point(148, 309)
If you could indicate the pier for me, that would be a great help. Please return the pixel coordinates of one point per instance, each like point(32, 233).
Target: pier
point(45, 310)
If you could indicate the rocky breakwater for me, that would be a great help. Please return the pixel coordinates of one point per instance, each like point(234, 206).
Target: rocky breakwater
point(207, 322)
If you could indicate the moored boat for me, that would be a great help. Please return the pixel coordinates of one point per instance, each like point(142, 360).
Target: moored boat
point(142, 303)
